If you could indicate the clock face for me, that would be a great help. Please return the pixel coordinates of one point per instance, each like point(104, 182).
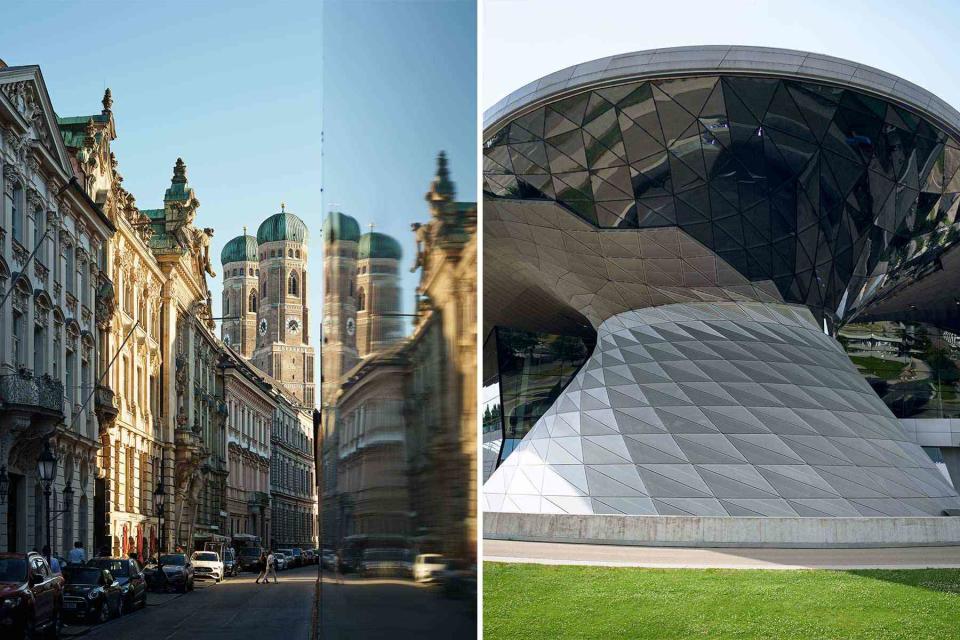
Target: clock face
point(226, 339)
point(262, 327)
point(293, 325)
point(351, 326)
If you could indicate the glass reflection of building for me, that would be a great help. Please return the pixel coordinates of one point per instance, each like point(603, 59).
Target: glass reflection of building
point(525, 373)
point(912, 366)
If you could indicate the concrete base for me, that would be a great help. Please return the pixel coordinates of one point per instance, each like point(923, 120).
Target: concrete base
point(708, 531)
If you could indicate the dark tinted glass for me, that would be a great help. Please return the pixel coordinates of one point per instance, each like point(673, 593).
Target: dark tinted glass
point(822, 190)
point(13, 570)
point(82, 575)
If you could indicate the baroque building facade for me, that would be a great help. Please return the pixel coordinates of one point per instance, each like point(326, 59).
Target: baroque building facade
point(128, 393)
point(53, 284)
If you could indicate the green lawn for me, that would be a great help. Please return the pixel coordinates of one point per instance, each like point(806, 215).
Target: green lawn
point(883, 369)
point(541, 601)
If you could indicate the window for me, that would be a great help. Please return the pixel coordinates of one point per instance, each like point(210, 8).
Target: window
point(292, 287)
point(226, 304)
point(361, 299)
point(16, 212)
point(19, 331)
point(298, 253)
point(263, 289)
point(70, 383)
point(249, 271)
point(39, 227)
point(289, 253)
point(39, 350)
point(273, 253)
point(252, 303)
point(71, 271)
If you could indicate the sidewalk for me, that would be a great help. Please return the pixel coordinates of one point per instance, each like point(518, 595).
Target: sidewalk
point(684, 558)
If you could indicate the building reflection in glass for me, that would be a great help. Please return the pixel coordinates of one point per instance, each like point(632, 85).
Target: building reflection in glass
point(913, 367)
point(526, 373)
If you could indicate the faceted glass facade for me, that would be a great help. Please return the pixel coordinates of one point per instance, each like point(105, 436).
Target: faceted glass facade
point(825, 191)
point(532, 370)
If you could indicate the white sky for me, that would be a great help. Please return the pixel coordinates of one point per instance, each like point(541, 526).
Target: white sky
point(523, 40)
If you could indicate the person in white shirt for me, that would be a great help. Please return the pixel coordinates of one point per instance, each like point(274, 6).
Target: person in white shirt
point(77, 554)
point(271, 568)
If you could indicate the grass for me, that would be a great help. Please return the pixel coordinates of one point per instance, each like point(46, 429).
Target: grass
point(883, 369)
point(543, 601)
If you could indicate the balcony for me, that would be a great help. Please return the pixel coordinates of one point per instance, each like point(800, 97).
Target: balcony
point(105, 406)
point(22, 391)
point(258, 498)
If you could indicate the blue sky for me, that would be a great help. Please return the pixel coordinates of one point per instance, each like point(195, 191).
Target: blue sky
point(238, 89)
point(523, 41)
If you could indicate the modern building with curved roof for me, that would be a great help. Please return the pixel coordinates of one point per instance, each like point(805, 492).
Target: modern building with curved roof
point(705, 219)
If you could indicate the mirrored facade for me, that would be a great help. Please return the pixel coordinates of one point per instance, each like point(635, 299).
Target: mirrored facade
point(826, 191)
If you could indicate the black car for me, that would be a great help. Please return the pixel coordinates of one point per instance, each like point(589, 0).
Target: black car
point(230, 567)
point(30, 596)
point(91, 593)
point(248, 559)
point(128, 573)
point(172, 571)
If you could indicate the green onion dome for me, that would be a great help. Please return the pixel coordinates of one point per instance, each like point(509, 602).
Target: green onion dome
point(339, 226)
point(378, 245)
point(240, 249)
point(282, 227)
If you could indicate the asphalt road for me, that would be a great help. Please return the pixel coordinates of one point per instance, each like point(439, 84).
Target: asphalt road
point(392, 610)
point(235, 609)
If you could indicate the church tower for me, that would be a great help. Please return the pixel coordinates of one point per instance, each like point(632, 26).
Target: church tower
point(283, 338)
point(341, 234)
point(241, 273)
point(379, 324)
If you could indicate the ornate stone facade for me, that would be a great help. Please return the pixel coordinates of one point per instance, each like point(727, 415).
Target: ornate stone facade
point(52, 275)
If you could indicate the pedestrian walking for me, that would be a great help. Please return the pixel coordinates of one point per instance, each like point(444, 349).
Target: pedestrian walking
point(77, 555)
point(51, 559)
point(263, 566)
point(271, 568)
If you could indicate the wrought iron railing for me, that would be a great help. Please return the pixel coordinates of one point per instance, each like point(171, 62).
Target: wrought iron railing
point(25, 389)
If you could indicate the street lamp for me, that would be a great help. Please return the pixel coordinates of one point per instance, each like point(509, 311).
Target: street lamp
point(47, 472)
point(158, 498)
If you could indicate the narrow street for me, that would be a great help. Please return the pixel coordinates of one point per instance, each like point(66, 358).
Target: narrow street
point(391, 609)
point(237, 609)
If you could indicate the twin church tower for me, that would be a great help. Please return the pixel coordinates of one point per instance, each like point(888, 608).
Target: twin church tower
point(266, 318)
point(265, 288)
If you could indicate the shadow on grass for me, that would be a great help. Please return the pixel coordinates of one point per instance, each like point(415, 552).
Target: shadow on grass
point(941, 580)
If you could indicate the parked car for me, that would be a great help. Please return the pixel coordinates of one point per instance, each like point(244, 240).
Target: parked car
point(280, 560)
point(248, 559)
point(298, 558)
point(386, 562)
point(174, 570)
point(129, 574)
point(230, 567)
point(426, 565)
point(328, 558)
point(91, 594)
point(31, 596)
point(207, 564)
point(458, 579)
point(309, 557)
point(288, 559)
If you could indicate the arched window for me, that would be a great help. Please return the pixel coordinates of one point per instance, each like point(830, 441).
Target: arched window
point(226, 304)
point(292, 285)
point(361, 299)
point(289, 253)
point(351, 287)
point(252, 302)
point(298, 253)
point(249, 271)
point(16, 209)
point(263, 289)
